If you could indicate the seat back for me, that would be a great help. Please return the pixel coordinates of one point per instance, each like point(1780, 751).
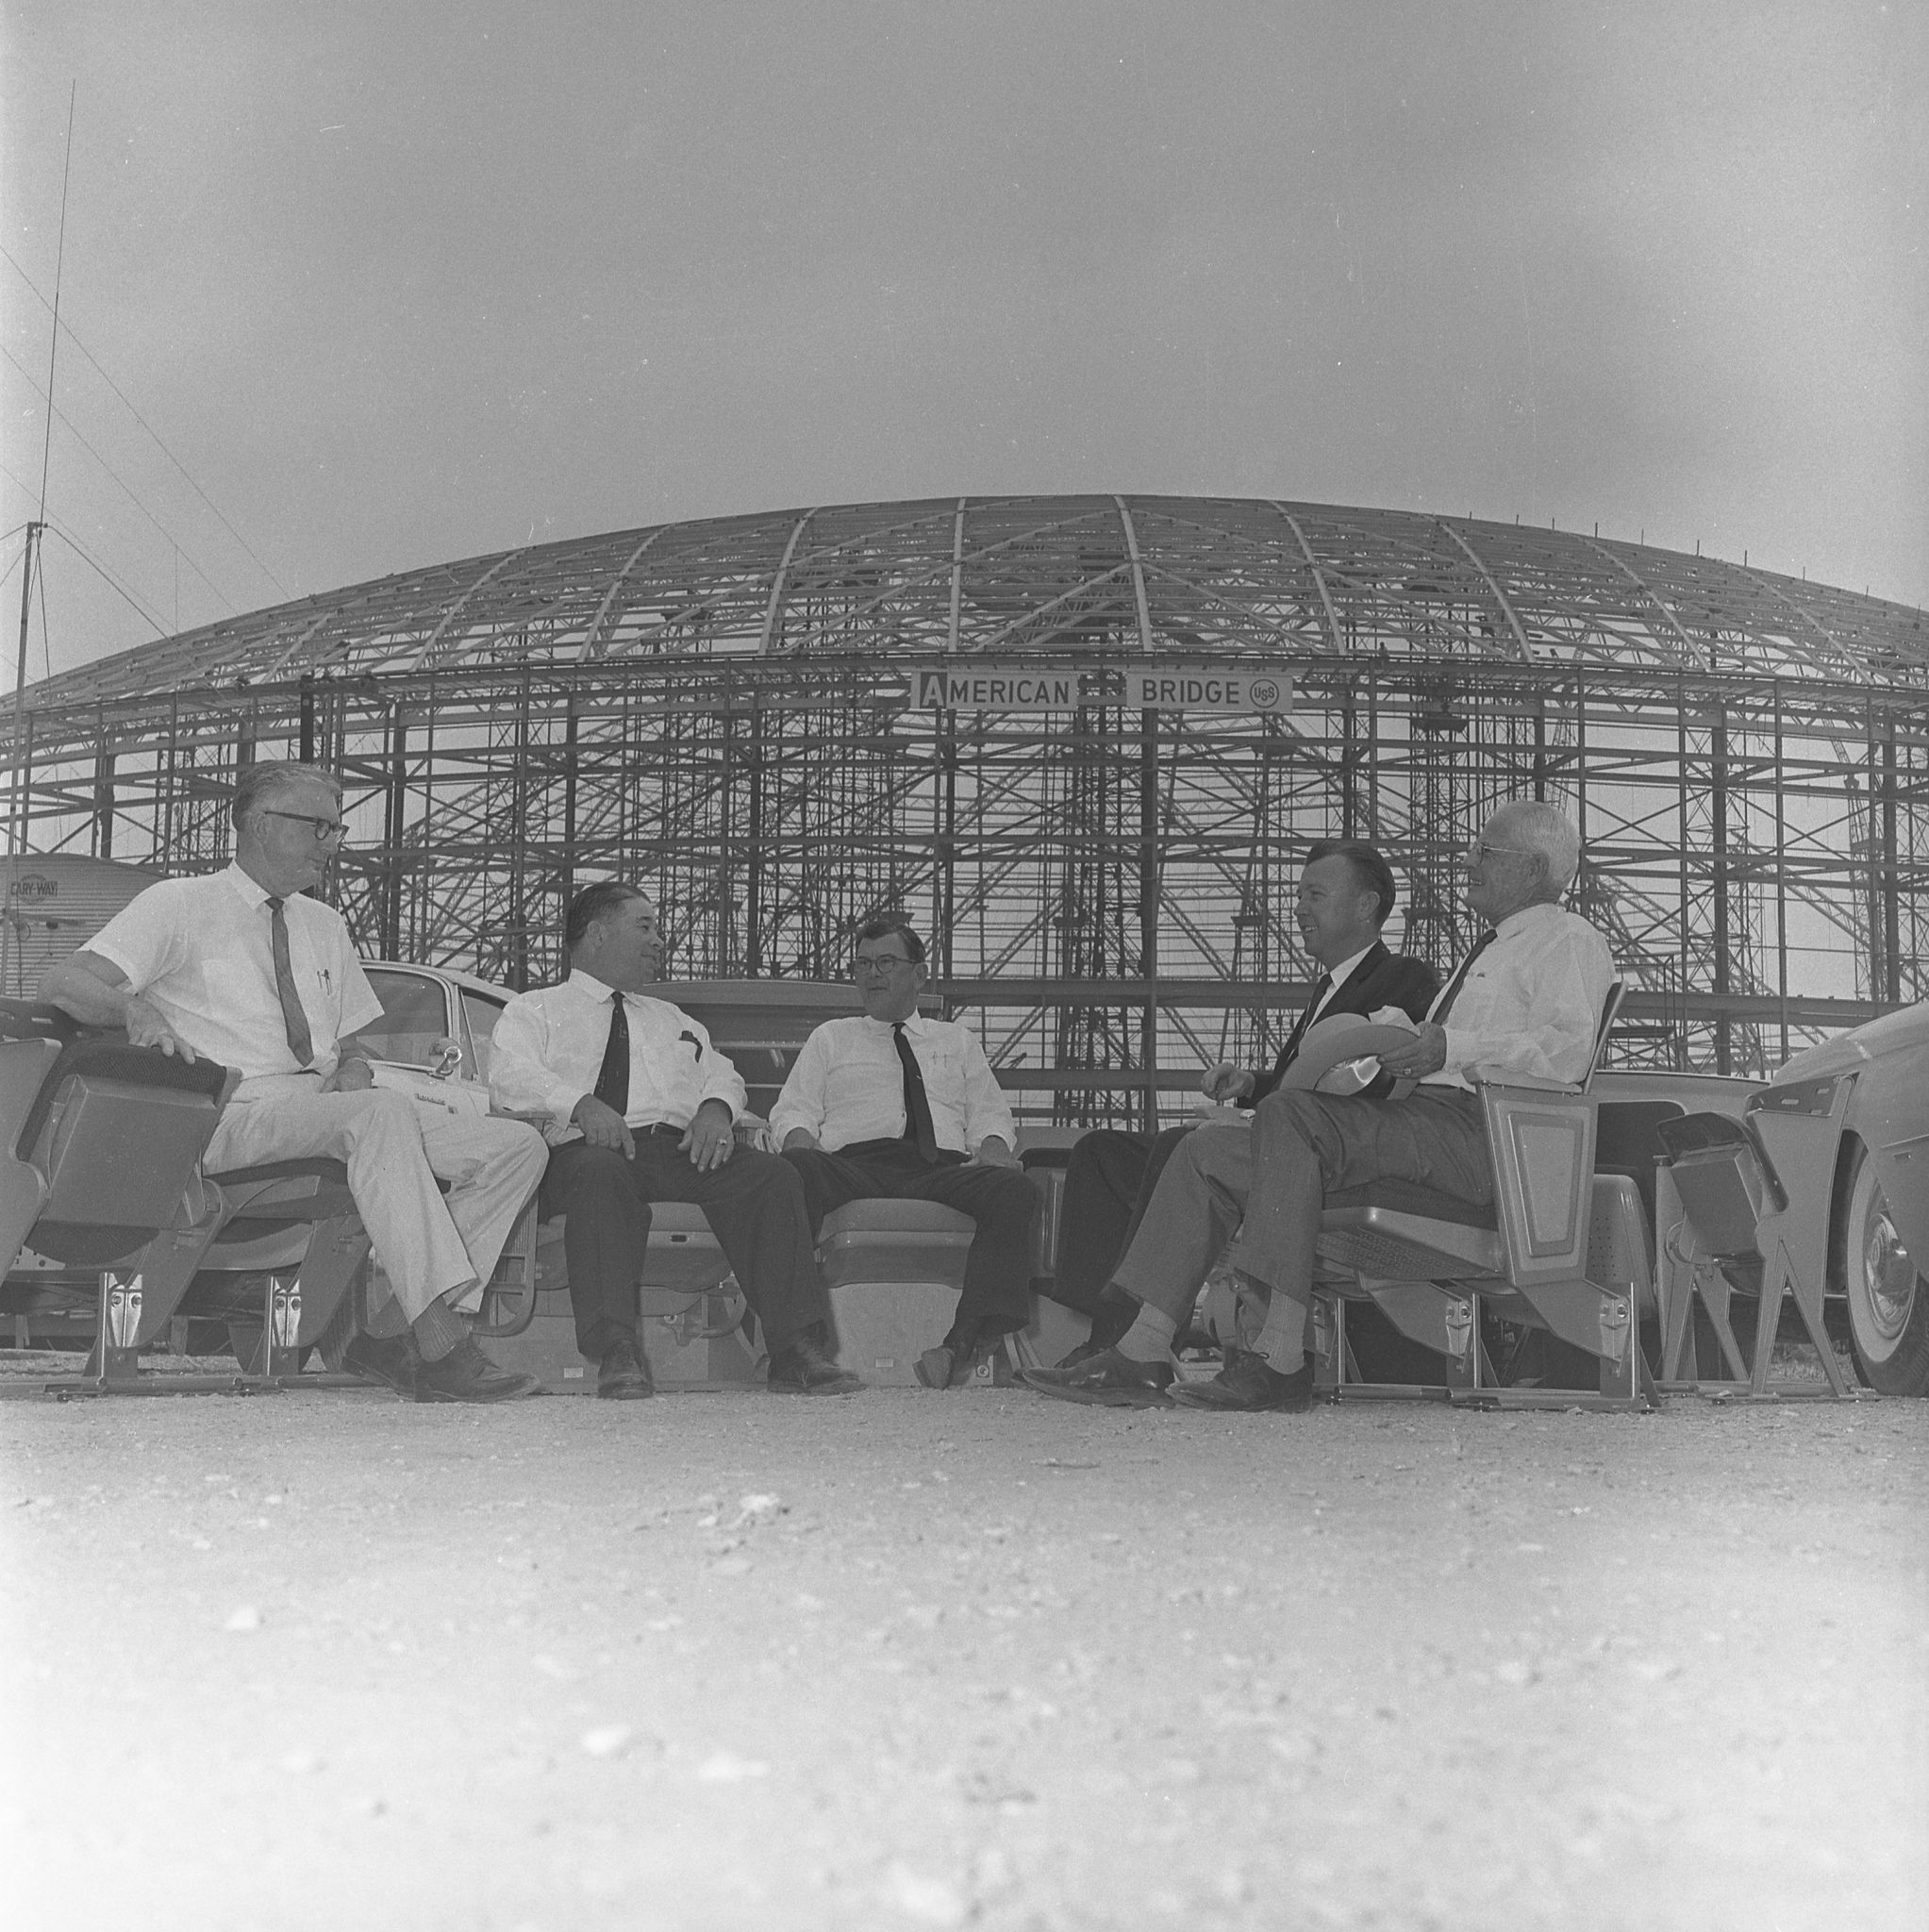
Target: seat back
point(1542, 1148)
point(117, 1132)
point(1724, 1178)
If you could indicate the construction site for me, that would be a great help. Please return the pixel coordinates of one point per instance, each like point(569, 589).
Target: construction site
point(1085, 742)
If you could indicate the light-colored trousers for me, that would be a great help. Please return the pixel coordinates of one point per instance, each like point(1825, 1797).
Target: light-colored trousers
point(395, 1150)
point(1267, 1182)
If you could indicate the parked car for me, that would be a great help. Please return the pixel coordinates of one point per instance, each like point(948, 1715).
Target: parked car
point(1878, 1244)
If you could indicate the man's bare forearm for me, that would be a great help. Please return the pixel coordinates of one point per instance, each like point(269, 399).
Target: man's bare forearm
point(75, 988)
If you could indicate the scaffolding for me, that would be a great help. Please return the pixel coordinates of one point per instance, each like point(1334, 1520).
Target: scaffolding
point(731, 713)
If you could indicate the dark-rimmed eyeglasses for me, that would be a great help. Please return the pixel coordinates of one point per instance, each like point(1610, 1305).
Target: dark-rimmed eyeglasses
point(324, 829)
point(883, 963)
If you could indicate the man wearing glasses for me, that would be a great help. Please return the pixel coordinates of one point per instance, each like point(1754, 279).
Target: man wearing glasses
point(243, 967)
point(903, 1108)
point(1525, 1001)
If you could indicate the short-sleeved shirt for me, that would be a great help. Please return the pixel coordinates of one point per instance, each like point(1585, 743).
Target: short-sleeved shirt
point(201, 951)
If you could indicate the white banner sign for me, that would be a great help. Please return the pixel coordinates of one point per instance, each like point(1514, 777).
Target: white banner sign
point(1137, 687)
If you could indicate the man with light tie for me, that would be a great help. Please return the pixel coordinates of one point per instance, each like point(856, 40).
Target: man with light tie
point(243, 967)
point(639, 1106)
point(1525, 1001)
point(892, 1105)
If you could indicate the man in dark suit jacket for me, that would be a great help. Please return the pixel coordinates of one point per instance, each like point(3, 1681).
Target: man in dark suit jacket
point(1345, 895)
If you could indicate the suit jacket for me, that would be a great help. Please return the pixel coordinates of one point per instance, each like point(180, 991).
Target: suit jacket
point(1381, 979)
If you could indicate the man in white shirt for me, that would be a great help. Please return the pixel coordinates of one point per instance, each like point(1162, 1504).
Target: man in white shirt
point(897, 1107)
point(242, 966)
point(1527, 1000)
point(639, 1106)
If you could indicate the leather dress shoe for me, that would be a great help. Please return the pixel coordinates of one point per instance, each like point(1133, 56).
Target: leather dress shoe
point(390, 1361)
point(466, 1374)
point(1109, 1379)
point(621, 1372)
point(955, 1367)
point(802, 1367)
point(1249, 1381)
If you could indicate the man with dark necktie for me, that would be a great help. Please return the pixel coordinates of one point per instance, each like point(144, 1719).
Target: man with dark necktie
point(1525, 1001)
point(1346, 894)
point(639, 1106)
point(895, 1106)
point(245, 967)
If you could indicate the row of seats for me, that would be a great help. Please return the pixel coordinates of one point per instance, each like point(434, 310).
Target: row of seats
point(102, 1202)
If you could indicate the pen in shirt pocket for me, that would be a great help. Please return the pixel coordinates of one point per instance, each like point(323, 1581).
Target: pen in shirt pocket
point(696, 1045)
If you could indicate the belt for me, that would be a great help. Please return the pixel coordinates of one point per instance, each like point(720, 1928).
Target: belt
point(662, 1128)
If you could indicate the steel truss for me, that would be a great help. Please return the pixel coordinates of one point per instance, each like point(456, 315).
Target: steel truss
point(723, 712)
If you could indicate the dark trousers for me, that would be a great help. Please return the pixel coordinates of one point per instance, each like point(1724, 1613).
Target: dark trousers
point(753, 1203)
point(1108, 1181)
point(997, 1280)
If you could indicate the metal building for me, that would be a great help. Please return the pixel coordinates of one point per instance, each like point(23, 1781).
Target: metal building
point(781, 722)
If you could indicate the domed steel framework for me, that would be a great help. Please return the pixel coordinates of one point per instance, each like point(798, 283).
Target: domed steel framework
point(739, 714)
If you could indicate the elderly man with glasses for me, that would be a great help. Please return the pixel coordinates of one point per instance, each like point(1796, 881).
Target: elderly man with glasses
point(896, 1106)
point(1525, 1001)
point(243, 967)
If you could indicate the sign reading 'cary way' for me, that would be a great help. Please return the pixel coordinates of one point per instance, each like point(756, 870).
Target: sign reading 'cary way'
point(1140, 686)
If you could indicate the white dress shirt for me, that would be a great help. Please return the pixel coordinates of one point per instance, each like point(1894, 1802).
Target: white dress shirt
point(201, 951)
point(549, 1048)
point(848, 1085)
point(1336, 977)
point(1531, 1003)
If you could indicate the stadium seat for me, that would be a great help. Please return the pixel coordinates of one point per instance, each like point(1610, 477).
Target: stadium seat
point(100, 1203)
point(291, 1236)
point(893, 1269)
point(1562, 1249)
point(693, 1327)
point(1742, 1207)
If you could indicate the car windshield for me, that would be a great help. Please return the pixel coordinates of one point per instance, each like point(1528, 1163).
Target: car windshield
point(414, 1016)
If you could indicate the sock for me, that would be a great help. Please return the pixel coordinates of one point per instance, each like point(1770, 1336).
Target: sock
point(438, 1330)
point(1115, 1314)
point(1149, 1339)
point(1283, 1341)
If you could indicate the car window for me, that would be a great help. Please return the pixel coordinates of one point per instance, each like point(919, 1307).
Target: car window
point(415, 1015)
point(482, 1012)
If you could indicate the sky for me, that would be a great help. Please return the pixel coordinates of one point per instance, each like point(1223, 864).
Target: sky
point(394, 284)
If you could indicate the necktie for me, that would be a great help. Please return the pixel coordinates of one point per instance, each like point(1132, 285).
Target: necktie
point(294, 1022)
point(1445, 1004)
point(918, 1124)
point(612, 1081)
point(1305, 1020)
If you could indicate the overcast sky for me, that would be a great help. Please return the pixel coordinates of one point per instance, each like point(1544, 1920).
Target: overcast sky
point(404, 282)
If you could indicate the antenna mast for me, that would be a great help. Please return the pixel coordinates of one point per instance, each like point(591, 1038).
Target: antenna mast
point(38, 525)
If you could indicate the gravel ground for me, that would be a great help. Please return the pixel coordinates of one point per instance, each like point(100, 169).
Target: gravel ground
point(330, 1660)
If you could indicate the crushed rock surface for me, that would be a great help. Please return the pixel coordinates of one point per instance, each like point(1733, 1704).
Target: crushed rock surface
point(963, 1659)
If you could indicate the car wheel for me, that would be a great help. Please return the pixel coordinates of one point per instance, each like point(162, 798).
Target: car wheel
point(1888, 1298)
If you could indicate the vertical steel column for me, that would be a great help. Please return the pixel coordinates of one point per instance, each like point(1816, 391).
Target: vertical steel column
point(1781, 876)
point(392, 829)
point(1718, 808)
point(1891, 981)
point(1148, 912)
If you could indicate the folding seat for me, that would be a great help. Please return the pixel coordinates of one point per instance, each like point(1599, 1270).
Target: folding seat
point(281, 1266)
point(692, 1311)
point(1562, 1249)
point(893, 1269)
point(1743, 1207)
point(101, 1205)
